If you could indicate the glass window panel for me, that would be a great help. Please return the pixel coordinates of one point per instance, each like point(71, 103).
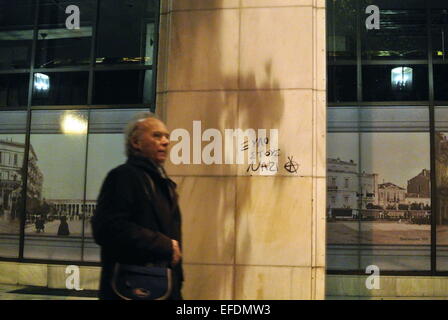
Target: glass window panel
point(440, 82)
point(399, 234)
point(126, 31)
point(116, 87)
point(17, 13)
point(397, 118)
point(378, 188)
point(58, 45)
point(60, 88)
point(12, 151)
point(402, 33)
point(342, 83)
point(14, 90)
point(343, 222)
point(341, 30)
point(56, 185)
point(16, 33)
point(105, 151)
point(441, 155)
point(395, 83)
point(439, 30)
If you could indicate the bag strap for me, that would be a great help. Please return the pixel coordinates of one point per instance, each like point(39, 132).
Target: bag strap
point(151, 195)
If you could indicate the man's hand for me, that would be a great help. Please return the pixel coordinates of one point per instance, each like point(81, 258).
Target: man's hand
point(176, 252)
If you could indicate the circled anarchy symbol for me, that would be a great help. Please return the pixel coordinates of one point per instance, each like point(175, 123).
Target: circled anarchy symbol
point(291, 166)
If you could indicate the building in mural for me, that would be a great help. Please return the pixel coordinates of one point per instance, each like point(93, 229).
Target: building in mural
point(348, 188)
point(368, 193)
point(73, 209)
point(420, 185)
point(390, 195)
point(342, 184)
point(418, 194)
point(353, 194)
point(441, 146)
point(11, 177)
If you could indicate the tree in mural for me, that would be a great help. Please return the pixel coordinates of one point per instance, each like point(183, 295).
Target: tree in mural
point(33, 205)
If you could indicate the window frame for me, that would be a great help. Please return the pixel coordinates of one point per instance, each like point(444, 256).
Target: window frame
point(29, 108)
point(431, 104)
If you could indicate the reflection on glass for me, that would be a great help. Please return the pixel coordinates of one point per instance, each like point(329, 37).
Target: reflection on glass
point(60, 88)
point(12, 150)
point(132, 44)
point(440, 82)
point(441, 161)
point(341, 29)
point(402, 34)
point(14, 90)
point(130, 87)
point(16, 33)
point(441, 142)
point(15, 49)
point(17, 13)
point(59, 45)
point(41, 82)
point(385, 83)
point(72, 123)
point(54, 211)
point(379, 189)
point(439, 33)
point(401, 78)
point(342, 83)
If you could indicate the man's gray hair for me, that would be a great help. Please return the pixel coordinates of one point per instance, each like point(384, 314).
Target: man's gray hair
point(131, 128)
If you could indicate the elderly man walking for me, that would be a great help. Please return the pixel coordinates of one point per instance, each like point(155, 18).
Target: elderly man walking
point(138, 220)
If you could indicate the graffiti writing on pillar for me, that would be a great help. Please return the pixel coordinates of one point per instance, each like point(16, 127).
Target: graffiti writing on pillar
point(290, 166)
point(271, 166)
point(256, 143)
point(263, 157)
point(269, 153)
point(265, 161)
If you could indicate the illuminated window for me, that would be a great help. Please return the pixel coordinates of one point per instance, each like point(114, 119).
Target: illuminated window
point(401, 78)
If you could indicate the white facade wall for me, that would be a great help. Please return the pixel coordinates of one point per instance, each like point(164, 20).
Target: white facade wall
point(345, 185)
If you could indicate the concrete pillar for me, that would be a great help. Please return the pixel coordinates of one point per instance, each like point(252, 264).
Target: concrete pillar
point(244, 64)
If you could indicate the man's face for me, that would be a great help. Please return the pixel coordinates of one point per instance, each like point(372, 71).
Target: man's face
point(151, 139)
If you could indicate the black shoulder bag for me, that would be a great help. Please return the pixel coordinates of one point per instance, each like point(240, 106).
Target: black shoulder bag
point(149, 282)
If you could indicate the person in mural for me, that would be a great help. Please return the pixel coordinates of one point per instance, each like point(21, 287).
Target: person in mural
point(63, 229)
point(40, 224)
point(138, 220)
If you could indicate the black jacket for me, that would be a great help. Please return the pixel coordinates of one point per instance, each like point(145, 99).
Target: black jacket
point(135, 220)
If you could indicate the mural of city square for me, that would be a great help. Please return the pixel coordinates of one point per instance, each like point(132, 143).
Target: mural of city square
point(66, 167)
point(45, 215)
point(379, 189)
